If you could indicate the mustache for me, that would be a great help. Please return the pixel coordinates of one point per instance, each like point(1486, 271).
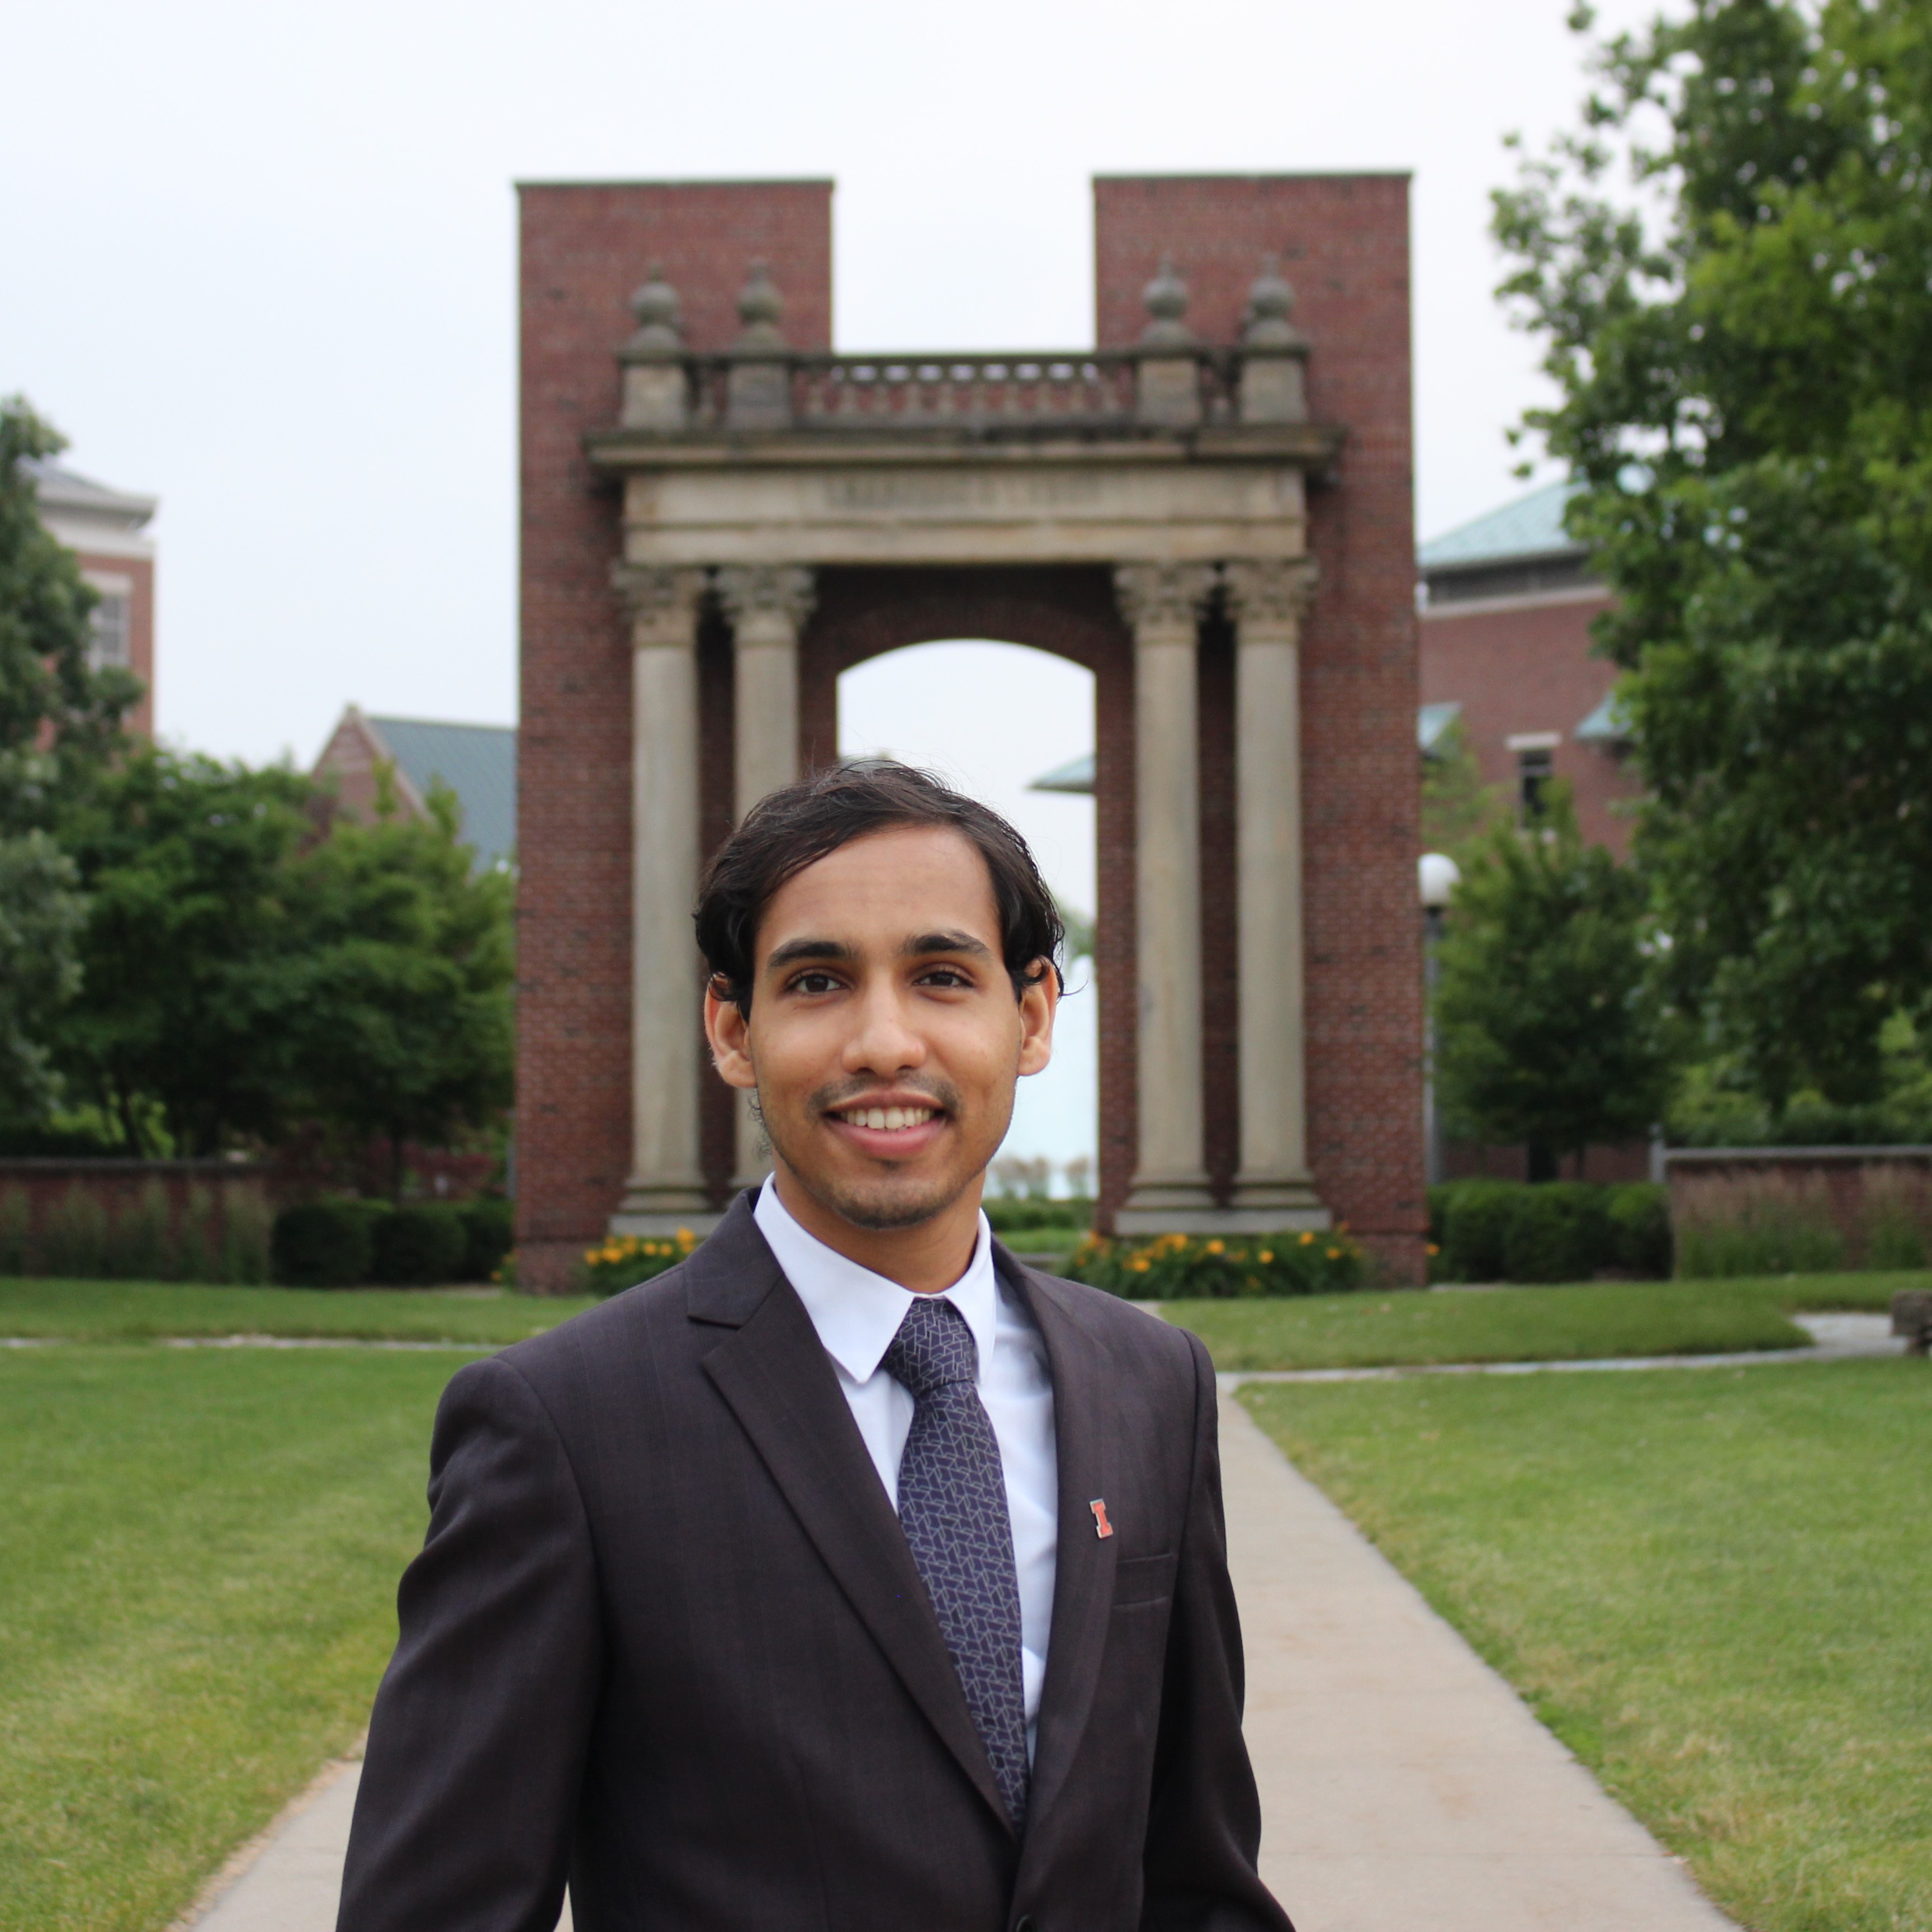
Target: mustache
point(839, 1093)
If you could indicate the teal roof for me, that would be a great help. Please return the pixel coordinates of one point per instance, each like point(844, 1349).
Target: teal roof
point(1531, 527)
point(1075, 775)
point(1608, 724)
point(477, 763)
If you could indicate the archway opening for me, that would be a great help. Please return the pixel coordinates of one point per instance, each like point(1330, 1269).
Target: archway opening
point(993, 719)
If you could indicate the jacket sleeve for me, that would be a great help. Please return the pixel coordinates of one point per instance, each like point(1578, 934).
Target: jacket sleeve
point(1203, 1824)
point(477, 1745)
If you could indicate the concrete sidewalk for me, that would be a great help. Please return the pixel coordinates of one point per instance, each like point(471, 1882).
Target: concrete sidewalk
point(1405, 1786)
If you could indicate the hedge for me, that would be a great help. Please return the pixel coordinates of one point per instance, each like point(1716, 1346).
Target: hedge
point(1486, 1230)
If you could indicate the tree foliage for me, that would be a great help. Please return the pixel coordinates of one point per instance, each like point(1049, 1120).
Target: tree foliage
point(1547, 1032)
point(58, 719)
point(1741, 340)
point(250, 968)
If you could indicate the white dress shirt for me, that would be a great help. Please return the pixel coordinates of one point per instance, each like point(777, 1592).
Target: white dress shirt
point(857, 1313)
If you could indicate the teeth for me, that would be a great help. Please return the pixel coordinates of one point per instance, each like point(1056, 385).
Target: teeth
point(889, 1120)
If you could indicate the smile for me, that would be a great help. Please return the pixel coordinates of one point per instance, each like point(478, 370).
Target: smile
point(887, 1120)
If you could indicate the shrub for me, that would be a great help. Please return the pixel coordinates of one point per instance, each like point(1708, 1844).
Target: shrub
point(138, 1245)
point(1009, 1216)
point(1475, 1224)
point(1775, 1223)
point(419, 1246)
point(1174, 1268)
point(73, 1244)
point(17, 1218)
point(323, 1244)
point(1639, 1217)
point(622, 1261)
point(246, 1227)
point(489, 1231)
point(1557, 1231)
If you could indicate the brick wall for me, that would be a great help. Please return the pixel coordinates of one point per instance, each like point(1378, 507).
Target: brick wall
point(1343, 240)
point(583, 247)
point(1526, 667)
point(139, 571)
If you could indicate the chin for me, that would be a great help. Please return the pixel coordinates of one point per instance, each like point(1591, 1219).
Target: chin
point(884, 1205)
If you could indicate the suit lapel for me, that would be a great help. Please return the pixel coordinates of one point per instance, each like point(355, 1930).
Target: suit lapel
point(1083, 1584)
point(772, 1371)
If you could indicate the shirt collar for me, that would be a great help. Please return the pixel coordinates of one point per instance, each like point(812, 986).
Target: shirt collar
point(857, 1313)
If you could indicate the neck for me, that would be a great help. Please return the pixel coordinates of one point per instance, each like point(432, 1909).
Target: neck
point(927, 1257)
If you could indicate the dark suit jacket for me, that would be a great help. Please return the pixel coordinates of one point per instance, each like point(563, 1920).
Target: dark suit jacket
point(665, 1637)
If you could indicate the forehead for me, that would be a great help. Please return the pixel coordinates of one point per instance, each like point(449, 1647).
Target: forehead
point(885, 887)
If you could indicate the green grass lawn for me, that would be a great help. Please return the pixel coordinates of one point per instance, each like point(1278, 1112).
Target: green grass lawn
point(1715, 1587)
point(196, 1600)
point(122, 1311)
point(1524, 1325)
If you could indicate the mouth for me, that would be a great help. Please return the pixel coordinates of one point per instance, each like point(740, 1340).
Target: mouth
point(889, 1129)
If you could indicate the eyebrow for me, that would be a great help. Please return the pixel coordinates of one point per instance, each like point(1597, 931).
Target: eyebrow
point(920, 946)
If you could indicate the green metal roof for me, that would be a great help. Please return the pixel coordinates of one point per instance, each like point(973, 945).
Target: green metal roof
point(1531, 527)
point(477, 763)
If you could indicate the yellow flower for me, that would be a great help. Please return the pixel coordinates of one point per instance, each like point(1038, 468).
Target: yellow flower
point(1334, 1254)
point(1140, 1264)
point(1433, 1249)
point(1268, 1255)
point(1308, 1240)
point(1217, 1247)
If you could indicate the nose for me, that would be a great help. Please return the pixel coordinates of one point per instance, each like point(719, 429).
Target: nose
point(883, 1042)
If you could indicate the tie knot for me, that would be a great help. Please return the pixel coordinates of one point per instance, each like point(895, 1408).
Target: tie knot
point(933, 1347)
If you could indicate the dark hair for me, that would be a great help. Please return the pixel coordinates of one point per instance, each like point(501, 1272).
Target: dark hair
point(799, 824)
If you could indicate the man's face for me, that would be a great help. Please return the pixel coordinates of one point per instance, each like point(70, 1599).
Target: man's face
point(884, 1039)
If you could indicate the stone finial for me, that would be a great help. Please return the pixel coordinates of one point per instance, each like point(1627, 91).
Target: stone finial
point(1166, 299)
point(660, 317)
point(1270, 300)
point(759, 307)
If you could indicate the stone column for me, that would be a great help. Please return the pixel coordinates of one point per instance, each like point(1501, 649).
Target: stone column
point(667, 1186)
point(1266, 600)
point(1163, 604)
point(767, 605)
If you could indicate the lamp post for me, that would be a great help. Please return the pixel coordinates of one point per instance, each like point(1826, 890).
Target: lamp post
point(1437, 876)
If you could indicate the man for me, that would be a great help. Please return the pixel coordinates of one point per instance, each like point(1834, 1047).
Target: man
point(850, 1576)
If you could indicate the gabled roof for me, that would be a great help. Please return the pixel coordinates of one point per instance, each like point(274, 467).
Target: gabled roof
point(1531, 527)
point(477, 763)
point(60, 487)
point(1076, 775)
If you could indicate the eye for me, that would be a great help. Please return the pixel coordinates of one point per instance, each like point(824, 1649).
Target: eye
point(950, 978)
point(815, 983)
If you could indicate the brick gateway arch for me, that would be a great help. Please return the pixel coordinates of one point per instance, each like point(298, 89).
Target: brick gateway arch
point(1211, 511)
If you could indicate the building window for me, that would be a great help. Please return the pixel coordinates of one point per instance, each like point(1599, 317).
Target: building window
point(110, 621)
point(1535, 771)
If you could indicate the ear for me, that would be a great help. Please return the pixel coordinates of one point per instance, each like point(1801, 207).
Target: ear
point(1038, 1005)
point(728, 1030)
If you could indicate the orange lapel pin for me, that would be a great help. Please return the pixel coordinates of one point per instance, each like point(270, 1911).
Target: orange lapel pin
point(1102, 1527)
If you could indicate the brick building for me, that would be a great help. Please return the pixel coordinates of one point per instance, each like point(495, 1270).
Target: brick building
point(477, 762)
point(106, 530)
point(1210, 509)
point(1506, 651)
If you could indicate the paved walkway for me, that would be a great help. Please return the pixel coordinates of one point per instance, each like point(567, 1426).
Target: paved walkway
point(1404, 1785)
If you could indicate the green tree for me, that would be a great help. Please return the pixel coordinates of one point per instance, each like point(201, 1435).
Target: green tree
point(1459, 811)
point(405, 1028)
point(1741, 340)
point(193, 951)
point(1547, 1032)
point(59, 718)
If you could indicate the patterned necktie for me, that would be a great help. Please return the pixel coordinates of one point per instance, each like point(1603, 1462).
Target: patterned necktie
point(952, 1505)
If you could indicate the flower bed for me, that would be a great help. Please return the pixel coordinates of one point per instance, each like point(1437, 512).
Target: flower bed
point(622, 1261)
point(1173, 1267)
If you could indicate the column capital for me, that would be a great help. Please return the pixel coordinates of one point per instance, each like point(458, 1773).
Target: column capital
point(1269, 596)
point(1163, 602)
point(660, 604)
point(766, 603)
